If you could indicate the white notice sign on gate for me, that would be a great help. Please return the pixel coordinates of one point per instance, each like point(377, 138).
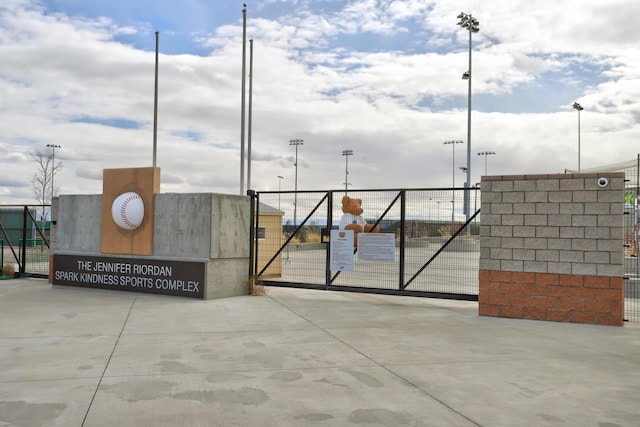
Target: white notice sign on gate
point(341, 250)
point(377, 246)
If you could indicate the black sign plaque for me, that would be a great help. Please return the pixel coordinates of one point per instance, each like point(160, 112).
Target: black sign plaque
point(154, 276)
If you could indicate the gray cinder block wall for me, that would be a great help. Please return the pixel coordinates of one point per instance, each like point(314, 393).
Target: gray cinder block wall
point(552, 247)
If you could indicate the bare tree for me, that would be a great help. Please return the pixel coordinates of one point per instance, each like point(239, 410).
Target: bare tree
point(43, 178)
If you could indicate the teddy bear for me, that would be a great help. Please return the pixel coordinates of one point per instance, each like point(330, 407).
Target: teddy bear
point(353, 220)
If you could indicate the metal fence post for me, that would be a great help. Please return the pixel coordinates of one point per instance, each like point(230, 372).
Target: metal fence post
point(253, 230)
point(403, 223)
point(327, 272)
point(23, 261)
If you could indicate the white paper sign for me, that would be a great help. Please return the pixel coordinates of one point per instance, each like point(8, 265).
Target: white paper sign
point(377, 246)
point(341, 250)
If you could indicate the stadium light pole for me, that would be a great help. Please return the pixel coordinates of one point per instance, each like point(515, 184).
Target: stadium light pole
point(280, 178)
point(346, 154)
point(453, 173)
point(295, 142)
point(579, 108)
point(453, 158)
point(486, 154)
point(53, 165)
point(468, 22)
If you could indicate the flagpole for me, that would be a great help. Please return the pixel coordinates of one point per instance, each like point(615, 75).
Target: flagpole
point(155, 106)
point(250, 114)
point(244, 78)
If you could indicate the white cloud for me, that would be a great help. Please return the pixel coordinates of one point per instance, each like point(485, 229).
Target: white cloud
point(69, 81)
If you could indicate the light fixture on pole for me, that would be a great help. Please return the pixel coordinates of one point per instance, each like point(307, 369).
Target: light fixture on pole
point(486, 154)
point(453, 171)
point(53, 165)
point(579, 108)
point(467, 21)
point(280, 178)
point(295, 142)
point(346, 154)
point(463, 169)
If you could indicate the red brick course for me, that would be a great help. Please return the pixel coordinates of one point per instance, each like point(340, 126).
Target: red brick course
point(559, 315)
point(559, 291)
point(571, 280)
point(553, 297)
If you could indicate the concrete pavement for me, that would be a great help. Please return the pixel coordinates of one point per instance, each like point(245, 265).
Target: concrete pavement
point(82, 357)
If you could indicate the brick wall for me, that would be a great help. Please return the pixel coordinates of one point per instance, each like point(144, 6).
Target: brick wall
point(551, 248)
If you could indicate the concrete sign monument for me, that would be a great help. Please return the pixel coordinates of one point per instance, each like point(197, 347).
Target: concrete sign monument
point(132, 238)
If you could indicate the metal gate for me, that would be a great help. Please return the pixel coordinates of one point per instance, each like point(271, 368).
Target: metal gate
point(436, 241)
point(632, 243)
point(24, 239)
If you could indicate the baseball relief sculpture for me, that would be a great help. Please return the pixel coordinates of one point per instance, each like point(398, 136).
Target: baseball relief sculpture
point(127, 210)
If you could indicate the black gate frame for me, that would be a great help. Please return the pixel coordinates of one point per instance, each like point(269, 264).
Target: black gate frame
point(21, 259)
point(328, 196)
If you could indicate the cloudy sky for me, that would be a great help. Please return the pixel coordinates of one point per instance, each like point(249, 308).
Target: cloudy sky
point(379, 77)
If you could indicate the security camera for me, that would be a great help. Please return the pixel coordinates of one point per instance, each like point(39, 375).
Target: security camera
point(603, 182)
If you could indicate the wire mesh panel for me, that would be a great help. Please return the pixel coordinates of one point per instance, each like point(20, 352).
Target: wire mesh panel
point(37, 258)
point(381, 209)
point(632, 243)
point(433, 217)
point(30, 255)
point(632, 299)
point(290, 226)
point(421, 223)
point(631, 265)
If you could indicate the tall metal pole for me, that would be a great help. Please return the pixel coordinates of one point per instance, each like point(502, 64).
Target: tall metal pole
point(280, 178)
point(53, 166)
point(155, 104)
point(453, 174)
point(468, 182)
point(346, 154)
point(486, 154)
point(53, 169)
point(453, 177)
point(470, 23)
point(295, 192)
point(295, 142)
point(242, 102)
point(346, 173)
point(579, 168)
point(250, 114)
point(579, 108)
